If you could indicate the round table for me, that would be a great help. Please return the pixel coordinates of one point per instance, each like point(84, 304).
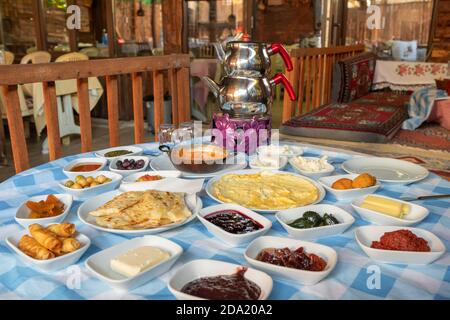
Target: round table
point(351, 279)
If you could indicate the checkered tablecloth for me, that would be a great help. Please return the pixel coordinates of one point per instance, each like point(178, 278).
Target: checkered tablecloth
point(349, 279)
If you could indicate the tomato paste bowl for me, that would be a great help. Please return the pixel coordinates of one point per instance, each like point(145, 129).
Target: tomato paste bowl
point(84, 166)
point(198, 158)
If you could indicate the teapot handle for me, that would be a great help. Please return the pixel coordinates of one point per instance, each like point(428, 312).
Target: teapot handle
point(280, 78)
point(278, 48)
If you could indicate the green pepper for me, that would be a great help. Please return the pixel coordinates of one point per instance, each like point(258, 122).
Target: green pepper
point(330, 219)
point(299, 224)
point(312, 217)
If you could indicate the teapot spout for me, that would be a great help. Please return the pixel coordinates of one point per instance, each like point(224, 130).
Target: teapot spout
point(213, 86)
point(219, 50)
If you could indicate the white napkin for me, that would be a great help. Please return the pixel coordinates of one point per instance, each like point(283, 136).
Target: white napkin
point(191, 186)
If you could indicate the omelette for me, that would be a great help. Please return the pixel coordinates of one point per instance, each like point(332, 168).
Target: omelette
point(265, 190)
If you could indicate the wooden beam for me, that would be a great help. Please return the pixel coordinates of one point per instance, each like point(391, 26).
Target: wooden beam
point(158, 100)
point(84, 112)
point(73, 34)
point(51, 119)
point(173, 12)
point(29, 73)
point(138, 111)
point(40, 24)
point(16, 130)
point(184, 100)
point(110, 28)
point(113, 110)
point(174, 95)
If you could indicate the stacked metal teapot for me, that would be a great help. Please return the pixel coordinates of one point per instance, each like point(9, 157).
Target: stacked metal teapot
point(245, 92)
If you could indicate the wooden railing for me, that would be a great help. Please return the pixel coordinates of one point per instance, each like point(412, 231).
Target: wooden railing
point(177, 67)
point(312, 77)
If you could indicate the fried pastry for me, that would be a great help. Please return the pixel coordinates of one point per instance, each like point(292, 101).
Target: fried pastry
point(32, 248)
point(364, 180)
point(342, 184)
point(45, 238)
point(62, 229)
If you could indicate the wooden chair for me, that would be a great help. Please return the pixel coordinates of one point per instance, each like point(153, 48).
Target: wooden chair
point(176, 65)
point(9, 57)
point(73, 56)
point(312, 77)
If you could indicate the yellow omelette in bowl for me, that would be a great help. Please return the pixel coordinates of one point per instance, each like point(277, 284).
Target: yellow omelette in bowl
point(265, 190)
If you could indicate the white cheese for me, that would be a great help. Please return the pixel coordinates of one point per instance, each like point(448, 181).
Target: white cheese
point(311, 165)
point(137, 260)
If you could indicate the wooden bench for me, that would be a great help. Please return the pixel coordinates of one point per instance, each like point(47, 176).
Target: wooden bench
point(312, 77)
point(177, 67)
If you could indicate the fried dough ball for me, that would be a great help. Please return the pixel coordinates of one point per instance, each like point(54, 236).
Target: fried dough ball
point(342, 184)
point(364, 180)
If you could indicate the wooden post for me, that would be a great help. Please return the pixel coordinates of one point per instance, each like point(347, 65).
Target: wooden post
point(16, 130)
point(174, 95)
point(173, 12)
point(40, 25)
point(158, 100)
point(184, 100)
point(73, 34)
point(138, 111)
point(113, 110)
point(51, 119)
point(84, 111)
point(110, 28)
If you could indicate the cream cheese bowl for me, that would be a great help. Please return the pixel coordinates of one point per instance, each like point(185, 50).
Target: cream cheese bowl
point(198, 158)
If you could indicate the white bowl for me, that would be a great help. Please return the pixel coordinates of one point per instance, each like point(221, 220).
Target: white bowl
point(365, 235)
point(57, 263)
point(23, 211)
point(287, 216)
point(314, 175)
point(301, 276)
point(230, 238)
point(416, 214)
point(163, 173)
point(279, 150)
point(71, 175)
point(93, 191)
point(282, 162)
point(99, 264)
point(348, 194)
point(124, 173)
point(193, 202)
point(210, 268)
point(135, 151)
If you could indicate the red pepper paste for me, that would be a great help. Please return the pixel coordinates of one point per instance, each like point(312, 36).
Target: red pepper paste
point(401, 240)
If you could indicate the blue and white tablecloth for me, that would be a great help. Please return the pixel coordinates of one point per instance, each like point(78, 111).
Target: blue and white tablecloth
point(349, 280)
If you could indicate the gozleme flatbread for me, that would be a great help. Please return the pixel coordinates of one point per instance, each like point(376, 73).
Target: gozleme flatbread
point(143, 210)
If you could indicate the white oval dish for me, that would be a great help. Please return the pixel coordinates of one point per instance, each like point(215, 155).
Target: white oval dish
point(209, 190)
point(23, 211)
point(124, 173)
point(278, 165)
point(230, 238)
point(387, 169)
point(93, 191)
point(193, 202)
point(287, 216)
point(417, 213)
point(135, 151)
point(163, 173)
point(301, 276)
point(99, 264)
point(54, 264)
point(314, 175)
point(71, 175)
point(280, 150)
point(348, 194)
point(365, 235)
point(210, 268)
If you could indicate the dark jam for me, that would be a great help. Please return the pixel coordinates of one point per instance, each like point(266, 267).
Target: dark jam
point(296, 259)
point(233, 221)
point(227, 287)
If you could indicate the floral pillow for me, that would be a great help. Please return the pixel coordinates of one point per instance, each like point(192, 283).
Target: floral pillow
point(353, 77)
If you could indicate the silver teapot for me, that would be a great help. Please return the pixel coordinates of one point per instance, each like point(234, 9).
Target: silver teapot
point(246, 96)
point(250, 58)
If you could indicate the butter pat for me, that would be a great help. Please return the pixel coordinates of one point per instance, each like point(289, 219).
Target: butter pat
point(137, 260)
point(386, 206)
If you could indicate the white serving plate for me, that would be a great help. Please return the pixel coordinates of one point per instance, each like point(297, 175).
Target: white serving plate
point(210, 183)
point(287, 216)
point(50, 265)
point(71, 175)
point(230, 238)
point(163, 173)
point(387, 169)
point(193, 202)
point(365, 235)
point(135, 151)
point(349, 194)
point(94, 191)
point(277, 150)
point(210, 268)
point(417, 213)
point(124, 173)
point(23, 211)
point(314, 175)
point(99, 264)
point(301, 276)
point(162, 163)
point(282, 162)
